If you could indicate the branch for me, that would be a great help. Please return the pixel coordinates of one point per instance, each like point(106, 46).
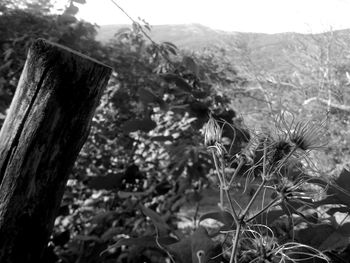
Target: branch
point(328, 103)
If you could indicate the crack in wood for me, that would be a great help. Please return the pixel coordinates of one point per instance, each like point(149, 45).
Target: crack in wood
point(17, 137)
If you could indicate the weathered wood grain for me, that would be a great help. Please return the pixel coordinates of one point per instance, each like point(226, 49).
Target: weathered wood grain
point(47, 124)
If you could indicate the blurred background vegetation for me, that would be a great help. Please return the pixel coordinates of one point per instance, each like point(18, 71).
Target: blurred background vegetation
point(146, 142)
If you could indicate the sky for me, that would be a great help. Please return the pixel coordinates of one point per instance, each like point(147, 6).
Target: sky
point(263, 16)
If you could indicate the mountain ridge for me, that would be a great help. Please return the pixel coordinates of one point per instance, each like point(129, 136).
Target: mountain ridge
point(273, 53)
point(106, 32)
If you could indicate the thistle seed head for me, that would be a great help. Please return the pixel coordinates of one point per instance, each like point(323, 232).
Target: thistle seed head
point(303, 135)
point(212, 132)
point(280, 150)
point(308, 136)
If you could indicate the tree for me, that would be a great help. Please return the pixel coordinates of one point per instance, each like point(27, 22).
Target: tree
point(19, 27)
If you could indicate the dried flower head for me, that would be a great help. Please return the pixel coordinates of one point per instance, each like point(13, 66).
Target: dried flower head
point(212, 133)
point(280, 150)
point(303, 135)
point(308, 136)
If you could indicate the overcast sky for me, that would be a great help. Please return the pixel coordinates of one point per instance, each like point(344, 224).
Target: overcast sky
point(266, 16)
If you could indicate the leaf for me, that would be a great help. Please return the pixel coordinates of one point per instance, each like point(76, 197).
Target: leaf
point(124, 195)
point(221, 216)
point(268, 217)
point(191, 65)
point(107, 182)
point(341, 209)
point(179, 81)
point(338, 192)
point(292, 206)
point(162, 138)
point(199, 109)
point(139, 125)
point(181, 250)
point(62, 238)
point(325, 236)
point(200, 241)
point(200, 94)
point(170, 44)
point(169, 47)
point(341, 188)
point(194, 197)
point(186, 250)
point(87, 238)
point(104, 217)
point(345, 229)
point(147, 96)
point(5, 66)
point(144, 242)
point(147, 27)
point(66, 19)
point(110, 233)
point(123, 32)
point(71, 10)
point(8, 53)
point(314, 235)
point(172, 50)
point(333, 241)
point(162, 228)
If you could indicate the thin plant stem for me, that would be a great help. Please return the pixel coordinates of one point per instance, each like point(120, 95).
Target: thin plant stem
point(260, 186)
point(235, 243)
point(236, 172)
point(234, 214)
point(223, 189)
point(143, 32)
point(284, 160)
point(196, 214)
point(253, 198)
point(264, 160)
point(220, 179)
point(271, 204)
point(345, 217)
point(223, 172)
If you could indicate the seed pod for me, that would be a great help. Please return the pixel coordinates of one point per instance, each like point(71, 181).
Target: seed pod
point(212, 132)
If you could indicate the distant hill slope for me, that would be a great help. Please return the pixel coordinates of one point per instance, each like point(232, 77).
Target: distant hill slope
point(271, 52)
point(196, 36)
point(186, 35)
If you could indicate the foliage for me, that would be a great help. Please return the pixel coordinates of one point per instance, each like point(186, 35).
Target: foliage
point(149, 125)
point(152, 153)
point(19, 27)
point(308, 76)
point(299, 211)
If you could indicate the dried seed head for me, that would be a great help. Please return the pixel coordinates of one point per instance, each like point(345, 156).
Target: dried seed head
point(280, 150)
point(212, 132)
point(303, 135)
point(307, 135)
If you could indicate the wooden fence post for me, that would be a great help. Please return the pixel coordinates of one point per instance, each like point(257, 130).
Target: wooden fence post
point(47, 124)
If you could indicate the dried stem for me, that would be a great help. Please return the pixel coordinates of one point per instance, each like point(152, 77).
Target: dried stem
point(235, 243)
point(234, 214)
point(253, 198)
point(260, 186)
point(272, 203)
point(220, 179)
point(240, 164)
point(223, 188)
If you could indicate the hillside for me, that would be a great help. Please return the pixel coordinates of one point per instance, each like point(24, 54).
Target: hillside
point(272, 53)
point(268, 51)
point(196, 36)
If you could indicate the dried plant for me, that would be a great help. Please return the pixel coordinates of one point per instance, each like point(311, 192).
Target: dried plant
point(267, 159)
